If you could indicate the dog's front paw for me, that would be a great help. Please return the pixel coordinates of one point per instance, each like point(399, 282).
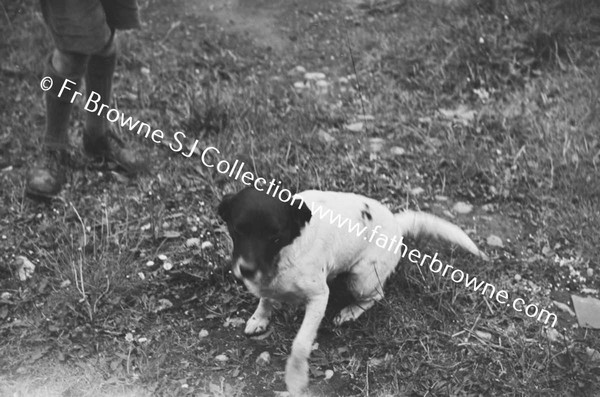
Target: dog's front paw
point(296, 376)
point(256, 326)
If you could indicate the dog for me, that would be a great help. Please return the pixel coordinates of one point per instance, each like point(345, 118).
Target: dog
point(284, 252)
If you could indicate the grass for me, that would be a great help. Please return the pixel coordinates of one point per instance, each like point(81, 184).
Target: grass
point(530, 155)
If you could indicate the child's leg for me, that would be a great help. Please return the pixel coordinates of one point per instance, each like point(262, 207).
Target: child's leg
point(66, 70)
point(98, 79)
point(61, 66)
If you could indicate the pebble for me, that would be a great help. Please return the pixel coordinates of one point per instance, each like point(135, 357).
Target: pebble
point(206, 245)
point(203, 333)
point(263, 359)
point(314, 76)
point(25, 268)
point(192, 242)
point(221, 358)
point(494, 241)
point(325, 137)
point(354, 127)
point(416, 191)
point(299, 85)
point(376, 145)
point(328, 374)
point(462, 207)
point(167, 266)
point(397, 151)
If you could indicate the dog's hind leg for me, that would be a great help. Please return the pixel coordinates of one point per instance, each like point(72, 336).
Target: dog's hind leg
point(258, 323)
point(296, 369)
point(353, 311)
point(365, 282)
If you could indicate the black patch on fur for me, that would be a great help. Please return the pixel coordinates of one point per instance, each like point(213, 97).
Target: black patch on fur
point(261, 225)
point(366, 213)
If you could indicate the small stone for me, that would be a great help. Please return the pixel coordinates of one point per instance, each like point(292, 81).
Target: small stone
point(163, 304)
point(325, 137)
point(314, 76)
point(263, 359)
point(587, 290)
point(192, 242)
point(441, 198)
point(142, 340)
point(328, 374)
point(448, 214)
point(65, 283)
point(397, 151)
point(221, 358)
point(145, 71)
point(354, 127)
point(150, 263)
point(206, 245)
point(590, 272)
point(233, 322)
point(203, 333)
point(142, 276)
point(162, 257)
point(365, 117)
point(517, 277)
point(592, 354)
point(494, 241)
point(25, 268)
point(417, 191)
point(297, 70)
point(462, 207)
point(483, 335)
point(299, 85)
point(488, 207)
point(167, 266)
point(552, 334)
point(376, 145)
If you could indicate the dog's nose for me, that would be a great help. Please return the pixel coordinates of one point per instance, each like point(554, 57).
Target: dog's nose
point(247, 272)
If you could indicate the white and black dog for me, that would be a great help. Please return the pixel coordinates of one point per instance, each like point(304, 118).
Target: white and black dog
point(284, 252)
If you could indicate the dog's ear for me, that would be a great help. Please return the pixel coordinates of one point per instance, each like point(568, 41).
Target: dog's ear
point(301, 214)
point(224, 209)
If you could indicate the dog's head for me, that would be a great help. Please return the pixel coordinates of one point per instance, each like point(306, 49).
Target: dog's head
point(260, 226)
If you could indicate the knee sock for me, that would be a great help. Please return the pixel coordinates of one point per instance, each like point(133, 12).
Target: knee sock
point(98, 78)
point(58, 108)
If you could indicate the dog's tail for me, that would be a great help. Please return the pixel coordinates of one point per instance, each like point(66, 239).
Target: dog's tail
point(417, 224)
